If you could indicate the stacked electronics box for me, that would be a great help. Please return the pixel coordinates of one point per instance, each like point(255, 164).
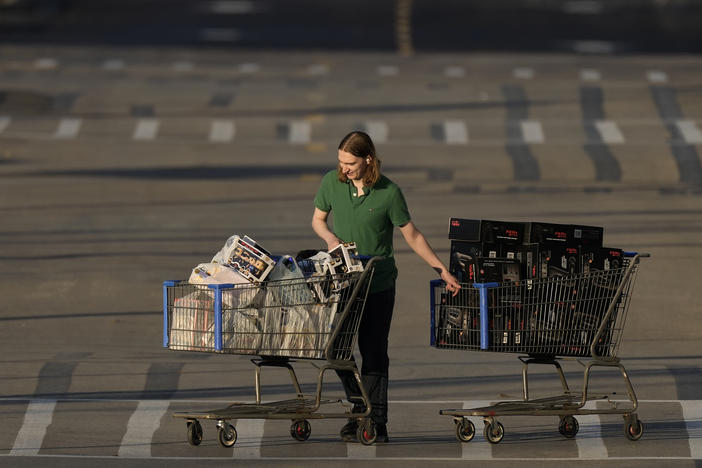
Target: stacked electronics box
point(507, 252)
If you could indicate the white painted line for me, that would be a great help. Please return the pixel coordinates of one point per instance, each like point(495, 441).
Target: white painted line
point(113, 65)
point(222, 131)
point(523, 73)
point(220, 34)
point(141, 427)
point(46, 63)
point(589, 437)
point(476, 449)
point(690, 131)
point(249, 68)
point(609, 131)
point(182, 66)
point(249, 437)
point(358, 450)
point(4, 122)
point(68, 128)
point(388, 70)
point(318, 69)
point(300, 132)
point(146, 129)
point(692, 414)
point(657, 76)
point(589, 74)
point(378, 131)
point(532, 132)
point(455, 72)
point(231, 7)
point(37, 418)
point(455, 132)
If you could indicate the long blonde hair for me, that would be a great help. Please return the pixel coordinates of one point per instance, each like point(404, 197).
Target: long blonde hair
point(360, 145)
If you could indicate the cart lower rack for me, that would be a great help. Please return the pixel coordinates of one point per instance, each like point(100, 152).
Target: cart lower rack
point(575, 317)
point(278, 322)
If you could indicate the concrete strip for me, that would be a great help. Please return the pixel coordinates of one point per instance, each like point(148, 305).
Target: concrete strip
point(455, 72)
point(588, 74)
point(299, 132)
point(141, 427)
point(609, 132)
point(692, 414)
point(222, 131)
point(455, 132)
point(68, 128)
point(690, 131)
point(4, 122)
point(532, 132)
point(523, 73)
point(477, 449)
point(46, 63)
point(657, 76)
point(37, 418)
point(249, 437)
point(378, 131)
point(146, 129)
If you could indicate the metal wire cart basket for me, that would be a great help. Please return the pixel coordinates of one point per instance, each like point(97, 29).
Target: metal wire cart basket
point(576, 317)
point(308, 318)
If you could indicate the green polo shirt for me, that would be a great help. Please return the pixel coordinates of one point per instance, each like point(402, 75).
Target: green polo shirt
point(367, 220)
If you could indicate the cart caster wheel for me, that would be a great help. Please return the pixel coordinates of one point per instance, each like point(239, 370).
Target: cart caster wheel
point(194, 432)
point(465, 430)
point(301, 430)
point(226, 435)
point(634, 431)
point(366, 433)
point(496, 437)
point(568, 427)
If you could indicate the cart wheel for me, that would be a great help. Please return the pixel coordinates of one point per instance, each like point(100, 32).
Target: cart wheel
point(465, 430)
point(301, 430)
point(366, 432)
point(227, 435)
point(634, 431)
point(494, 438)
point(568, 427)
point(194, 432)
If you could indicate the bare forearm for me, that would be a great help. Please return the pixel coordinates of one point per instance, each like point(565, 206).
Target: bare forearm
point(321, 228)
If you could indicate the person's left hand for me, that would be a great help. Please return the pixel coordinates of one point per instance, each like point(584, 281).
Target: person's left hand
point(452, 284)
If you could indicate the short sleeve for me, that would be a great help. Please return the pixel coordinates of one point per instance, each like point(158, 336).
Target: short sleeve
point(323, 198)
point(398, 212)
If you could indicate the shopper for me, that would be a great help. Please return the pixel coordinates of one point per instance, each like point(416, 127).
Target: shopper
point(366, 207)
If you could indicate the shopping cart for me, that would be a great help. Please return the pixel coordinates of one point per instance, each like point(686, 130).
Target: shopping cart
point(308, 318)
point(576, 317)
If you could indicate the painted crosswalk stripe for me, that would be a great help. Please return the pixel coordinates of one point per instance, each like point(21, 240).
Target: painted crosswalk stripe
point(455, 72)
point(46, 63)
point(249, 68)
point(222, 131)
point(249, 437)
point(113, 65)
point(657, 76)
point(377, 130)
point(690, 131)
point(299, 132)
point(481, 450)
point(692, 414)
point(318, 69)
point(609, 131)
point(146, 129)
point(455, 132)
point(182, 66)
point(388, 70)
point(141, 427)
point(68, 128)
point(588, 74)
point(589, 438)
point(37, 418)
point(4, 122)
point(523, 73)
point(532, 132)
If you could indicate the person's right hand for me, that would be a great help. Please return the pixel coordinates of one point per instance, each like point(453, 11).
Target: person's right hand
point(331, 243)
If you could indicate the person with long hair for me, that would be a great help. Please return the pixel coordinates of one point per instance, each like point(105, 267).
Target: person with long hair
point(367, 206)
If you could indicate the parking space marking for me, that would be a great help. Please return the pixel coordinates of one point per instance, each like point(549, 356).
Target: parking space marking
point(532, 132)
point(690, 131)
point(68, 128)
point(657, 76)
point(692, 414)
point(589, 74)
point(523, 73)
point(249, 68)
point(589, 437)
point(46, 63)
point(113, 65)
point(378, 130)
point(318, 69)
point(37, 418)
point(144, 421)
point(182, 66)
point(249, 437)
point(388, 70)
point(455, 132)
point(609, 131)
point(222, 131)
point(4, 122)
point(454, 71)
point(476, 451)
point(299, 132)
point(146, 129)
